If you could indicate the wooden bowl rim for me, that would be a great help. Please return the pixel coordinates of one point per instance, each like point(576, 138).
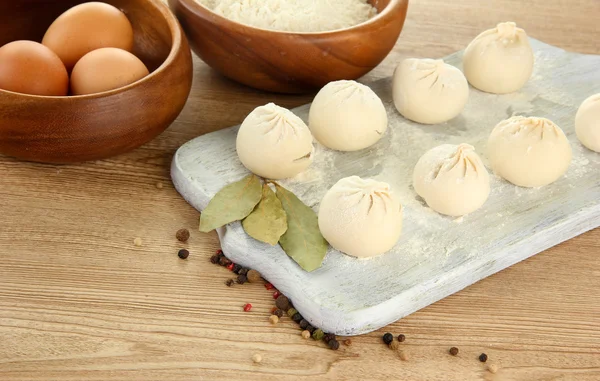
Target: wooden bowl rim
point(176, 40)
point(199, 9)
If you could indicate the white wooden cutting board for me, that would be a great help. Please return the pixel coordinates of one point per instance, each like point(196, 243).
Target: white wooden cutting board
point(437, 255)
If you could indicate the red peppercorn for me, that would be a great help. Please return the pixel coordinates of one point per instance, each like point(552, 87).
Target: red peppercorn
point(276, 294)
point(268, 286)
point(247, 307)
point(230, 266)
point(219, 252)
point(273, 310)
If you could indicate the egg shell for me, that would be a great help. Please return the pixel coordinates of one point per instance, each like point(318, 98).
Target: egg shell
point(87, 27)
point(29, 67)
point(106, 69)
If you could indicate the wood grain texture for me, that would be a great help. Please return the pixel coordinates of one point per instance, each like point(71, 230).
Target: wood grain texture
point(74, 129)
point(79, 302)
point(290, 62)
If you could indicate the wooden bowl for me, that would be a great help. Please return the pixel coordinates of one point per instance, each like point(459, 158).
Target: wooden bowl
point(290, 62)
point(96, 126)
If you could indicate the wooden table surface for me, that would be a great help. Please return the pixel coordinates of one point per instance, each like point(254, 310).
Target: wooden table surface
point(78, 301)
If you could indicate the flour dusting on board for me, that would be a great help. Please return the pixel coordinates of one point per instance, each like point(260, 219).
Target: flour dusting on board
point(436, 255)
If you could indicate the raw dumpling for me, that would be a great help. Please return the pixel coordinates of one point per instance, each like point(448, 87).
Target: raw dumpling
point(429, 91)
point(274, 143)
point(347, 116)
point(587, 123)
point(499, 60)
point(361, 218)
point(452, 179)
point(529, 152)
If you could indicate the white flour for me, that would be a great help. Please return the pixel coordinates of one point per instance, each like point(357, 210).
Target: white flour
point(294, 15)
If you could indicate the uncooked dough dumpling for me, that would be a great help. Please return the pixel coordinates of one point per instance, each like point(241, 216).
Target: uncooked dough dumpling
point(360, 217)
point(347, 116)
point(429, 91)
point(499, 60)
point(452, 179)
point(274, 143)
point(587, 123)
point(529, 152)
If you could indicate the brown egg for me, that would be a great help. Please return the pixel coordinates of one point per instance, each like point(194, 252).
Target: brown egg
point(87, 27)
point(106, 69)
point(31, 68)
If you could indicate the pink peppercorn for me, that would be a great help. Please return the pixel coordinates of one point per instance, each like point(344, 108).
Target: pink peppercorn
point(230, 266)
point(276, 294)
point(268, 286)
point(247, 307)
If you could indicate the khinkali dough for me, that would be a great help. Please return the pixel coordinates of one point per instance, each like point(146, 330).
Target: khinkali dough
point(499, 60)
point(274, 143)
point(529, 152)
point(429, 91)
point(452, 179)
point(360, 217)
point(587, 123)
point(347, 116)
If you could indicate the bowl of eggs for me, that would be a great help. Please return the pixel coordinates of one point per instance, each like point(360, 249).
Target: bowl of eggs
point(291, 46)
point(85, 81)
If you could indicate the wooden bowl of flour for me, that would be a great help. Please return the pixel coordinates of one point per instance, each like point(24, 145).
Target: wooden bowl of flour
point(290, 62)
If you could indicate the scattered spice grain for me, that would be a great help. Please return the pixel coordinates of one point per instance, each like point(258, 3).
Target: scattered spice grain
point(388, 338)
point(403, 356)
point(182, 235)
point(310, 329)
point(401, 338)
point(278, 312)
point(138, 242)
point(247, 307)
point(229, 282)
point(394, 345)
point(493, 368)
point(183, 254)
point(236, 268)
point(334, 344)
point(282, 302)
point(214, 259)
point(224, 261)
point(276, 294)
point(244, 271)
point(274, 319)
point(268, 286)
point(303, 324)
point(453, 351)
point(253, 276)
point(305, 334)
point(241, 279)
point(318, 334)
point(159, 186)
point(483, 357)
point(291, 312)
point(297, 318)
point(347, 342)
point(328, 337)
point(230, 266)
point(257, 358)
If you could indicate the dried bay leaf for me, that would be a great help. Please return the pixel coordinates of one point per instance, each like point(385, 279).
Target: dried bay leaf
point(232, 203)
point(302, 241)
point(268, 221)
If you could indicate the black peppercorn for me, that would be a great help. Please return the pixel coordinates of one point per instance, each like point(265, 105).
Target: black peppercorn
point(388, 338)
point(310, 329)
point(282, 302)
point(453, 351)
point(297, 318)
point(333, 344)
point(243, 271)
point(229, 282)
point(214, 259)
point(483, 357)
point(401, 338)
point(241, 279)
point(279, 313)
point(303, 324)
point(224, 261)
point(236, 268)
point(183, 254)
point(328, 337)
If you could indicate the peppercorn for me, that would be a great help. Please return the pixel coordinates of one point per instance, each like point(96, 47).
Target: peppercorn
point(297, 317)
point(183, 254)
point(311, 329)
point(276, 295)
point(159, 186)
point(493, 368)
point(247, 307)
point(453, 351)
point(282, 302)
point(214, 259)
point(257, 358)
point(224, 261)
point(394, 345)
point(303, 323)
point(229, 282)
point(318, 334)
point(268, 286)
point(328, 337)
point(305, 334)
point(182, 235)
point(236, 268)
point(278, 312)
point(388, 338)
point(347, 342)
point(483, 357)
point(243, 271)
point(401, 338)
point(403, 356)
point(291, 312)
point(230, 266)
point(254, 276)
point(137, 241)
point(241, 279)
point(334, 344)
point(274, 319)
